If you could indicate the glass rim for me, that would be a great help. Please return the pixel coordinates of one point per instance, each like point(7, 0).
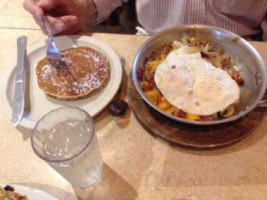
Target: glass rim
point(78, 153)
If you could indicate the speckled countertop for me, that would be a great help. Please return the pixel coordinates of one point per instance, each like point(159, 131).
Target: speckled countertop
point(137, 166)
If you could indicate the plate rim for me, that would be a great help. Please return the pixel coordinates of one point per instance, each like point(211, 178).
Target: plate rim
point(28, 123)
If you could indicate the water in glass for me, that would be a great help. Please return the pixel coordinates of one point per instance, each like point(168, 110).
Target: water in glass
point(71, 148)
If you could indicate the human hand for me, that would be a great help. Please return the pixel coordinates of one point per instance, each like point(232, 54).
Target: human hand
point(64, 16)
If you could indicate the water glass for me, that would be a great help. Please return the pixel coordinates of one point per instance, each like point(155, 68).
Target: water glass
point(66, 140)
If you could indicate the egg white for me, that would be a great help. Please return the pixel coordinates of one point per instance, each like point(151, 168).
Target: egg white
point(194, 85)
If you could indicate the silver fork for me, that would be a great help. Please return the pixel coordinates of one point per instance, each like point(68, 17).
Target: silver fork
point(53, 55)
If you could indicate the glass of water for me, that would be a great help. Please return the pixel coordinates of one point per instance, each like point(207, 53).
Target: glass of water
point(66, 140)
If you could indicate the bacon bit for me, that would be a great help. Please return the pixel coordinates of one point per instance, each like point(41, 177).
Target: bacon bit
point(236, 39)
point(205, 118)
point(146, 59)
point(9, 188)
point(150, 86)
point(238, 79)
point(149, 78)
point(226, 63)
point(221, 51)
point(140, 73)
point(148, 68)
point(168, 49)
point(173, 67)
point(204, 55)
point(181, 114)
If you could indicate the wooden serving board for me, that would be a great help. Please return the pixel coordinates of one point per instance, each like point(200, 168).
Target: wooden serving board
point(202, 137)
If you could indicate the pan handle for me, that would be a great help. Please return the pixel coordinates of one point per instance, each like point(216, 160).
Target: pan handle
point(263, 103)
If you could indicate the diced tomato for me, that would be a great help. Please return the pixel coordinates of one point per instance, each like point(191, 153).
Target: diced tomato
point(204, 55)
point(226, 63)
point(140, 73)
point(150, 86)
point(238, 79)
point(205, 118)
point(181, 114)
point(149, 78)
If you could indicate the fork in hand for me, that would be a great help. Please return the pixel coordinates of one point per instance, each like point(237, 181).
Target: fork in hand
point(53, 55)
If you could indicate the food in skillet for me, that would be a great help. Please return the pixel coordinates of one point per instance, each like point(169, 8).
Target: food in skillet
point(8, 193)
point(192, 79)
point(88, 72)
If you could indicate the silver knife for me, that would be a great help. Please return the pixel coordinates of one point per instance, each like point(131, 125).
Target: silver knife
point(18, 97)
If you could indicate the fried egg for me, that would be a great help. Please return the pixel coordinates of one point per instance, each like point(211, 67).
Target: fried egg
point(194, 85)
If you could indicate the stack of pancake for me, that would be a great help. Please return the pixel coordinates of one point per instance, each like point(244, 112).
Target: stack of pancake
point(87, 72)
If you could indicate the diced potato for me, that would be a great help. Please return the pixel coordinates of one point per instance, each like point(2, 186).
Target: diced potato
point(192, 117)
point(162, 99)
point(164, 105)
point(152, 95)
point(192, 50)
point(143, 84)
point(153, 68)
point(154, 65)
point(172, 110)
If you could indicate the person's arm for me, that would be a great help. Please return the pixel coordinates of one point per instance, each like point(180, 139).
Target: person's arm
point(105, 8)
point(69, 16)
point(64, 16)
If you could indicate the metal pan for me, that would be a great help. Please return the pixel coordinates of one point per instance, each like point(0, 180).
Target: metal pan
point(253, 67)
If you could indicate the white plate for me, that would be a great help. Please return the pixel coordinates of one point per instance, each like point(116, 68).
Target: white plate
point(37, 103)
point(31, 193)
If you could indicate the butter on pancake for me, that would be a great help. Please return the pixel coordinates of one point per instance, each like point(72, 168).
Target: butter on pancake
point(89, 70)
point(194, 85)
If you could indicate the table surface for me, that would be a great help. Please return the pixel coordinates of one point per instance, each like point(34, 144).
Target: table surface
point(137, 166)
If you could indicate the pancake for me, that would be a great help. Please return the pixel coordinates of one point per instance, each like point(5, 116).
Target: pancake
point(88, 72)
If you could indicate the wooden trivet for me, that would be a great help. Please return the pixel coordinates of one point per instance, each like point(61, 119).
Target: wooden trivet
point(202, 137)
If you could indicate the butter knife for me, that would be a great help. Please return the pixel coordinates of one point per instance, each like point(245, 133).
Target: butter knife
point(18, 97)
